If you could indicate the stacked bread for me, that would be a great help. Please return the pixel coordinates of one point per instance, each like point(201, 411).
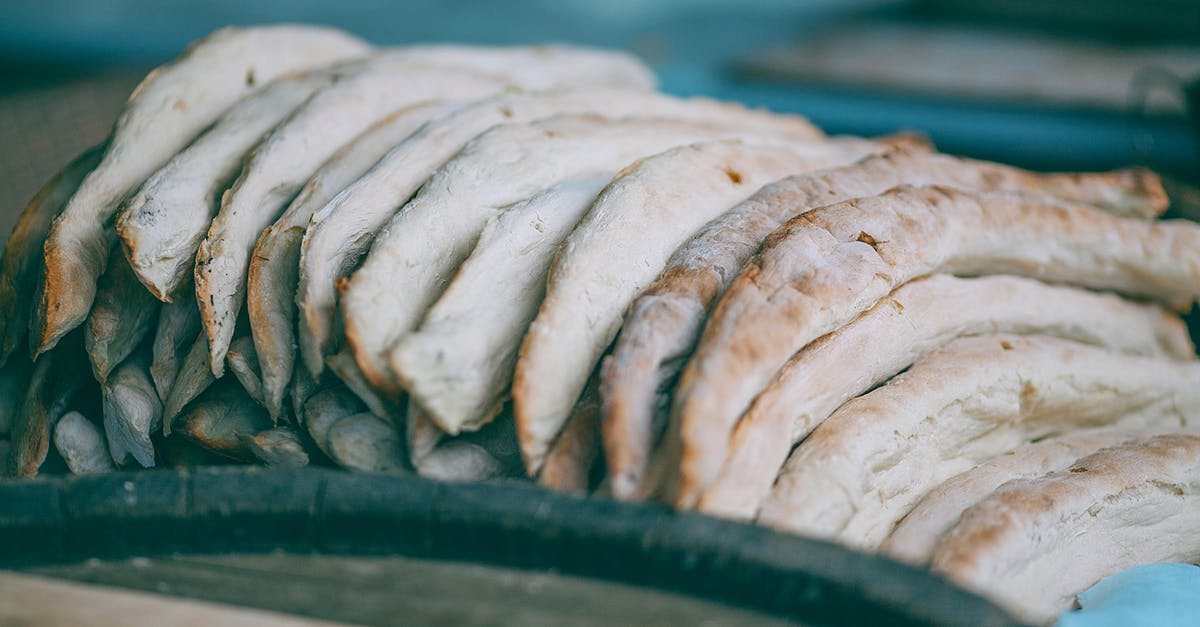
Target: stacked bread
point(296, 247)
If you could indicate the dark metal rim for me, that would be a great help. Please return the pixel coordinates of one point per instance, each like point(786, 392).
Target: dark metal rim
point(213, 510)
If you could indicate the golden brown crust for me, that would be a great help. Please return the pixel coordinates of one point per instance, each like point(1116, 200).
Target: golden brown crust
point(1130, 504)
point(819, 270)
point(665, 321)
point(21, 265)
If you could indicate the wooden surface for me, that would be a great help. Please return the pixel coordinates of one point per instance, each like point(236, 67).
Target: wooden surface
point(31, 600)
point(384, 591)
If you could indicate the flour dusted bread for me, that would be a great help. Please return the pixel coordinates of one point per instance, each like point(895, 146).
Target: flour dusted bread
point(342, 232)
point(171, 106)
point(917, 534)
point(818, 271)
point(293, 152)
point(272, 274)
point(161, 225)
point(414, 257)
point(618, 248)
point(665, 321)
point(870, 462)
point(1036, 543)
point(458, 364)
point(913, 320)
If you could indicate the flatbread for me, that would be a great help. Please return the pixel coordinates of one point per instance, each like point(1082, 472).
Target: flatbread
point(81, 445)
point(913, 320)
point(664, 323)
point(917, 534)
point(172, 105)
point(161, 225)
point(618, 249)
point(458, 364)
point(132, 412)
point(272, 277)
point(219, 418)
point(1036, 543)
point(341, 233)
point(414, 257)
point(870, 462)
point(290, 156)
point(21, 265)
point(821, 269)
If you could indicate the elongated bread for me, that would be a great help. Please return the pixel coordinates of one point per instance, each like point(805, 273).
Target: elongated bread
point(870, 462)
point(289, 157)
point(665, 321)
point(278, 447)
point(912, 321)
point(1036, 543)
point(458, 364)
point(342, 232)
point(243, 361)
point(81, 445)
point(413, 258)
point(618, 249)
point(219, 419)
point(132, 412)
point(21, 265)
point(323, 409)
point(161, 226)
point(819, 270)
point(271, 282)
point(917, 534)
point(570, 461)
point(53, 385)
point(167, 110)
point(178, 324)
point(122, 315)
point(366, 443)
point(193, 379)
point(390, 80)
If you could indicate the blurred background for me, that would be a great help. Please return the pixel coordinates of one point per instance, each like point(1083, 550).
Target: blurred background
point(1050, 84)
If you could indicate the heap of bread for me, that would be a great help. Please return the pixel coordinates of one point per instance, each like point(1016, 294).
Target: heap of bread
point(477, 261)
